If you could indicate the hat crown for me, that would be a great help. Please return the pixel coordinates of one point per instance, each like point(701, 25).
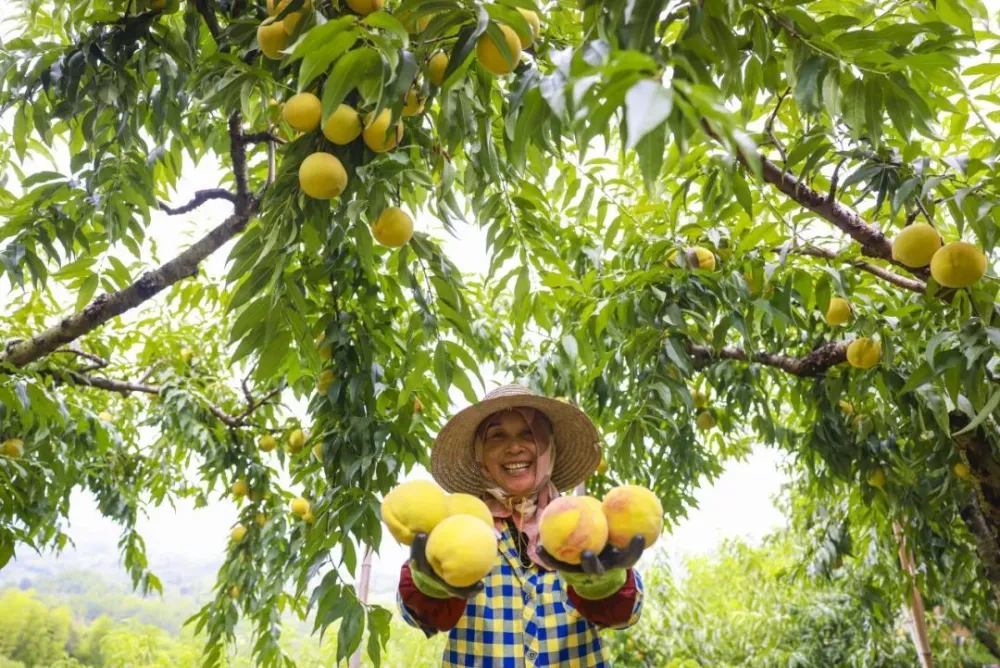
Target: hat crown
point(507, 391)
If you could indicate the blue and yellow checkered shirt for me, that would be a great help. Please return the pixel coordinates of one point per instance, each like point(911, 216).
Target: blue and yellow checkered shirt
point(523, 618)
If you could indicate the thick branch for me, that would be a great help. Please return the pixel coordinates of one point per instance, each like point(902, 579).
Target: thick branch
point(110, 384)
point(107, 306)
point(986, 544)
point(873, 242)
point(813, 364)
point(911, 284)
point(238, 155)
point(211, 20)
point(199, 198)
point(261, 137)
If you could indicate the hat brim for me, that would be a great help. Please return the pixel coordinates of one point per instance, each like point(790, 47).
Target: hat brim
point(577, 442)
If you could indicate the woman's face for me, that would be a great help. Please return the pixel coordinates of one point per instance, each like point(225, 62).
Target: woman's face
point(509, 453)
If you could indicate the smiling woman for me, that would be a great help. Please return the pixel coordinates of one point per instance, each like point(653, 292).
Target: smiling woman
point(516, 451)
point(529, 610)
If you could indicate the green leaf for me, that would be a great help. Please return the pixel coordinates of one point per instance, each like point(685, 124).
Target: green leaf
point(981, 416)
point(406, 74)
point(466, 42)
point(647, 105)
point(387, 21)
point(807, 84)
point(351, 629)
point(873, 108)
point(955, 14)
point(650, 151)
point(854, 108)
point(522, 285)
point(443, 369)
point(350, 69)
point(87, 290)
point(742, 192)
point(678, 355)
point(314, 39)
point(318, 61)
point(831, 95)
point(379, 620)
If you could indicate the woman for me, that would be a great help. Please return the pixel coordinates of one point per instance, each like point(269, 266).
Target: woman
point(517, 451)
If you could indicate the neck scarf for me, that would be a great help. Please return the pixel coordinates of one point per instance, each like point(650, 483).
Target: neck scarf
point(523, 511)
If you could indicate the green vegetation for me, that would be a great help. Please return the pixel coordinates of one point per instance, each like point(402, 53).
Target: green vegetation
point(755, 607)
point(105, 628)
point(745, 606)
point(672, 192)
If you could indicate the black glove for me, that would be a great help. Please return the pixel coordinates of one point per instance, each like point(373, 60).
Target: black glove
point(598, 564)
point(429, 582)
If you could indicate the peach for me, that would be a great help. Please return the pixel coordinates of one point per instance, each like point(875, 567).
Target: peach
point(571, 525)
point(632, 511)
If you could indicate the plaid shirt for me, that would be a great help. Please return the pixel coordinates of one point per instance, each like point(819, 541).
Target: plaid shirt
point(523, 618)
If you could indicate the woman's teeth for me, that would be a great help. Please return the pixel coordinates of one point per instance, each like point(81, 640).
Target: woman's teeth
point(516, 468)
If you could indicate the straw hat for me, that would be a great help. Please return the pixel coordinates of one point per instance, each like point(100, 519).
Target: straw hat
point(578, 451)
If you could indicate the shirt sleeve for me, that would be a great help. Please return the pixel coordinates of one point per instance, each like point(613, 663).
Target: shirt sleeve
point(618, 611)
point(430, 615)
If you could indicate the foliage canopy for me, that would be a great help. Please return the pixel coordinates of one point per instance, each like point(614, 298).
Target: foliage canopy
point(672, 192)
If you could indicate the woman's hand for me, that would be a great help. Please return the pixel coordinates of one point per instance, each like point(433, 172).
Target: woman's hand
point(610, 558)
point(428, 581)
point(597, 576)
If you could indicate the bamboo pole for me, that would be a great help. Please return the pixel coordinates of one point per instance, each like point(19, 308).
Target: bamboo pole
point(918, 623)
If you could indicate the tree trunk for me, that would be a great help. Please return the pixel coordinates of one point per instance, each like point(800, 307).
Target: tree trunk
point(982, 515)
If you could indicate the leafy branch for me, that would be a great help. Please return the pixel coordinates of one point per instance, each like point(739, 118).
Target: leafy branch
point(128, 386)
point(185, 265)
point(912, 284)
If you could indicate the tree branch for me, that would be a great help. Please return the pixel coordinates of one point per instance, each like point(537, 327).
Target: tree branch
point(98, 361)
point(127, 387)
point(211, 20)
point(982, 514)
point(271, 166)
point(912, 284)
point(835, 180)
point(873, 242)
point(812, 364)
point(238, 155)
point(769, 127)
point(261, 137)
point(107, 306)
point(986, 545)
point(199, 198)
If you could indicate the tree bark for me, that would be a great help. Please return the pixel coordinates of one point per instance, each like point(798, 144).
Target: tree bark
point(873, 242)
point(107, 306)
point(812, 364)
point(982, 515)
